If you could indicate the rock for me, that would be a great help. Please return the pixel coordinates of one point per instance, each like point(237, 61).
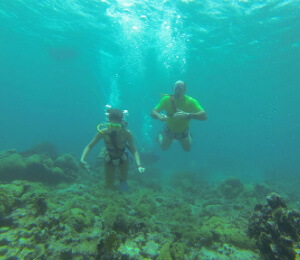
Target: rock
point(131, 249)
point(67, 162)
point(45, 148)
point(275, 201)
point(76, 218)
point(151, 249)
point(37, 167)
point(275, 228)
point(231, 188)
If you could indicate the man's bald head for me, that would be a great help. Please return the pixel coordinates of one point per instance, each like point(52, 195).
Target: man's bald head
point(179, 89)
point(180, 83)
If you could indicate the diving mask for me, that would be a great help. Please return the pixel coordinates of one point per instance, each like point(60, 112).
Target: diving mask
point(178, 91)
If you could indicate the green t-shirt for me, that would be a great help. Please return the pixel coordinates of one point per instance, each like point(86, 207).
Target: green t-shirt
point(186, 104)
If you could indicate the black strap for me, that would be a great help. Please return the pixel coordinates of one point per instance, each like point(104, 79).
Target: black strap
point(173, 103)
point(114, 142)
point(113, 137)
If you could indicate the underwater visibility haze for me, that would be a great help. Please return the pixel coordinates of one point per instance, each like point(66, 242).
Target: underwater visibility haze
point(63, 61)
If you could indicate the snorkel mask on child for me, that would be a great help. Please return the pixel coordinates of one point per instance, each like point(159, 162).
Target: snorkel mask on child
point(113, 124)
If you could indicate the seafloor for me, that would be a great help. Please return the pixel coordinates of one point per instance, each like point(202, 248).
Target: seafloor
point(50, 208)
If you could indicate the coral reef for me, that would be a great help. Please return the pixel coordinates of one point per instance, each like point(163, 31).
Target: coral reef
point(77, 218)
point(186, 180)
point(80, 219)
point(40, 203)
point(108, 247)
point(276, 228)
point(68, 163)
point(45, 148)
point(231, 188)
point(38, 167)
point(78, 222)
point(10, 195)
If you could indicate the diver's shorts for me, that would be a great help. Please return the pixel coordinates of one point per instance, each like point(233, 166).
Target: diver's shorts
point(117, 161)
point(177, 136)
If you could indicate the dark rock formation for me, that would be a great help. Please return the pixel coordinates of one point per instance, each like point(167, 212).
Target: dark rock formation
point(275, 228)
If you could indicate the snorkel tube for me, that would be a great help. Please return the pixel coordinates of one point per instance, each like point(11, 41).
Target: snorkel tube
point(107, 110)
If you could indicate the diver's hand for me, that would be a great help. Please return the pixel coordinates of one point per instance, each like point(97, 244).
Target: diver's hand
point(141, 169)
point(85, 166)
point(181, 114)
point(162, 117)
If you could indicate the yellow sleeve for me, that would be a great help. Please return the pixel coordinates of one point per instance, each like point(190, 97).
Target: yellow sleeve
point(196, 105)
point(162, 104)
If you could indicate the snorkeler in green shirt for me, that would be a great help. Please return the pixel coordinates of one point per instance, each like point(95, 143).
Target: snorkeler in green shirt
point(180, 109)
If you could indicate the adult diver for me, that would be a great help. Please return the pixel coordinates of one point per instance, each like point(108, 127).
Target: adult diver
point(180, 109)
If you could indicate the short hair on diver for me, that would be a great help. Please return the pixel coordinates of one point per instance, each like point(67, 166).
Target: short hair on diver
point(115, 114)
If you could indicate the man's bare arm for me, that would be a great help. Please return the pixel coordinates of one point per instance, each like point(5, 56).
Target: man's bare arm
point(156, 115)
point(201, 115)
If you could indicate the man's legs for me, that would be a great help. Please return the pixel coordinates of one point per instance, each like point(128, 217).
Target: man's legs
point(164, 141)
point(186, 143)
point(109, 170)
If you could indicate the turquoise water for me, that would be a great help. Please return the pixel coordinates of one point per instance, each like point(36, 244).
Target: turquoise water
point(62, 61)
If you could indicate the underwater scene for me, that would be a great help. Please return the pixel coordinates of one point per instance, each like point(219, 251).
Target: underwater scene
point(162, 130)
